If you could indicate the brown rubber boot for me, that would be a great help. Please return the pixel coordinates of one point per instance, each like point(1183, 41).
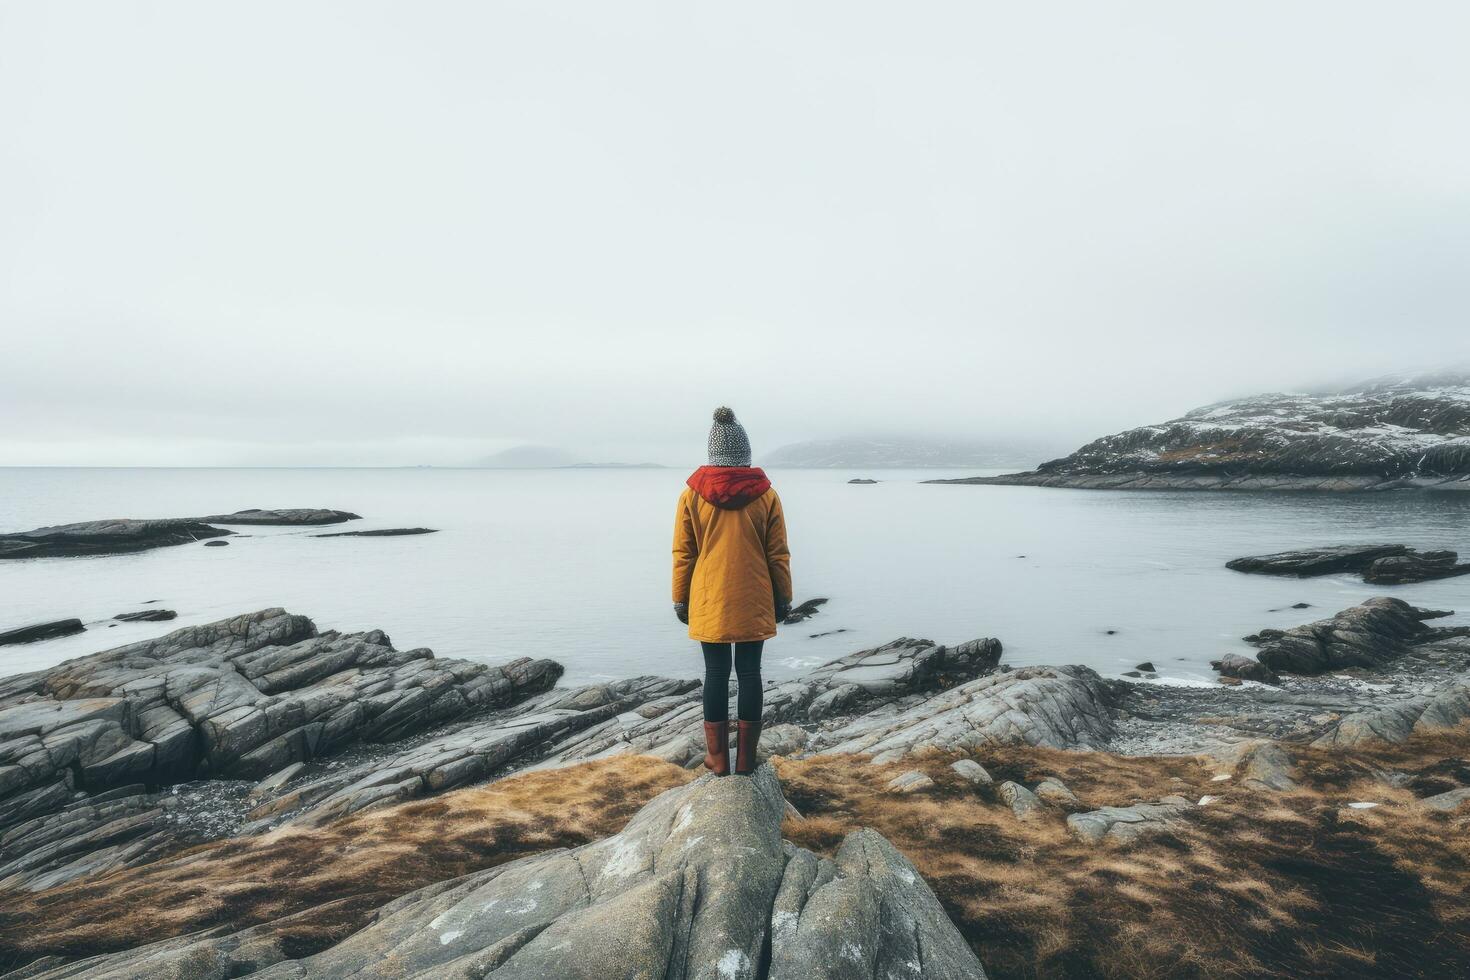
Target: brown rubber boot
point(717, 747)
point(747, 737)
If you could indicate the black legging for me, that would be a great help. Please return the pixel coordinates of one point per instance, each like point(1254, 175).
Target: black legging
point(717, 680)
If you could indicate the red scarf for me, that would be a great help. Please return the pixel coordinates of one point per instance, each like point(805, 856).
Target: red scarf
point(729, 487)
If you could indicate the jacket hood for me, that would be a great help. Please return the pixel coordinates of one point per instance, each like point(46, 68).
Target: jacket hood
point(729, 487)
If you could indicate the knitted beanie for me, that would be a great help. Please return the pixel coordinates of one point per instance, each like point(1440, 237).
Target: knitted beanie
point(728, 444)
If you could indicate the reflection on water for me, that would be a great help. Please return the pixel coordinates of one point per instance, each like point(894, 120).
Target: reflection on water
point(574, 564)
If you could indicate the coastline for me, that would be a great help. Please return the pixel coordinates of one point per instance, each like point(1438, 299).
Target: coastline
point(1143, 480)
point(286, 737)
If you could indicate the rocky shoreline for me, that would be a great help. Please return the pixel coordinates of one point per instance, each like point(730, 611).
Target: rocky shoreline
point(1387, 434)
point(246, 729)
point(1144, 480)
point(126, 535)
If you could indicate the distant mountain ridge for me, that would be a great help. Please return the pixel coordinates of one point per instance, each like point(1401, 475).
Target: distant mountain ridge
point(898, 453)
point(1386, 433)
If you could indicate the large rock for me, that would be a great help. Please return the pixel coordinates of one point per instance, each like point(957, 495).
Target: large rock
point(127, 534)
point(1309, 562)
point(104, 538)
point(1379, 435)
point(1416, 566)
point(698, 885)
point(1058, 707)
point(1245, 668)
point(241, 698)
point(1379, 564)
point(41, 631)
point(1367, 635)
point(1128, 823)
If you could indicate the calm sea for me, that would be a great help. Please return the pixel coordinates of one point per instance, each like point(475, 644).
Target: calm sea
point(574, 564)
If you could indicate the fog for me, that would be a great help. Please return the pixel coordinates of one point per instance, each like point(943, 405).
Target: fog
point(385, 233)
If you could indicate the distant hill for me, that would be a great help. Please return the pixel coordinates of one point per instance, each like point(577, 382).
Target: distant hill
point(529, 457)
point(901, 453)
point(1387, 433)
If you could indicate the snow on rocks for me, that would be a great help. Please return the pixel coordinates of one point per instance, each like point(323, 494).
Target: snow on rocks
point(1379, 435)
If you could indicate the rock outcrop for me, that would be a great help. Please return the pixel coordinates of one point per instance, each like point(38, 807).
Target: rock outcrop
point(1416, 566)
point(387, 532)
point(642, 715)
point(804, 611)
point(124, 535)
point(105, 538)
point(289, 517)
point(1384, 434)
point(237, 699)
point(1383, 564)
point(1366, 635)
point(698, 885)
point(1058, 707)
point(41, 631)
point(1245, 669)
point(1396, 722)
point(1309, 562)
point(147, 616)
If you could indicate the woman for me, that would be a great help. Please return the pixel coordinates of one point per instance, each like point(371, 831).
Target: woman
point(732, 584)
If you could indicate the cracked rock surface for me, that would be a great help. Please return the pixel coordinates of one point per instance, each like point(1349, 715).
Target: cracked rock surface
point(81, 742)
point(698, 885)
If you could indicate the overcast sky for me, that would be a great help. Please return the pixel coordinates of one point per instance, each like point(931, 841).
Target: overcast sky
point(275, 233)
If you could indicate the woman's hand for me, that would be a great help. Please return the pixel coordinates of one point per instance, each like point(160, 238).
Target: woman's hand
point(783, 609)
point(681, 610)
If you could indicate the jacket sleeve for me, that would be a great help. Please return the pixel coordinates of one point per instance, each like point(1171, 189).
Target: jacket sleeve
point(686, 549)
point(778, 554)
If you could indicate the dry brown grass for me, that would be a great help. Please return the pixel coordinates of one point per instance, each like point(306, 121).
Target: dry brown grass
point(1255, 884)
point(335, 875)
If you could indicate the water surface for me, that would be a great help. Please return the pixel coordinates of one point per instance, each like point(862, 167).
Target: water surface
point(574, 564)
